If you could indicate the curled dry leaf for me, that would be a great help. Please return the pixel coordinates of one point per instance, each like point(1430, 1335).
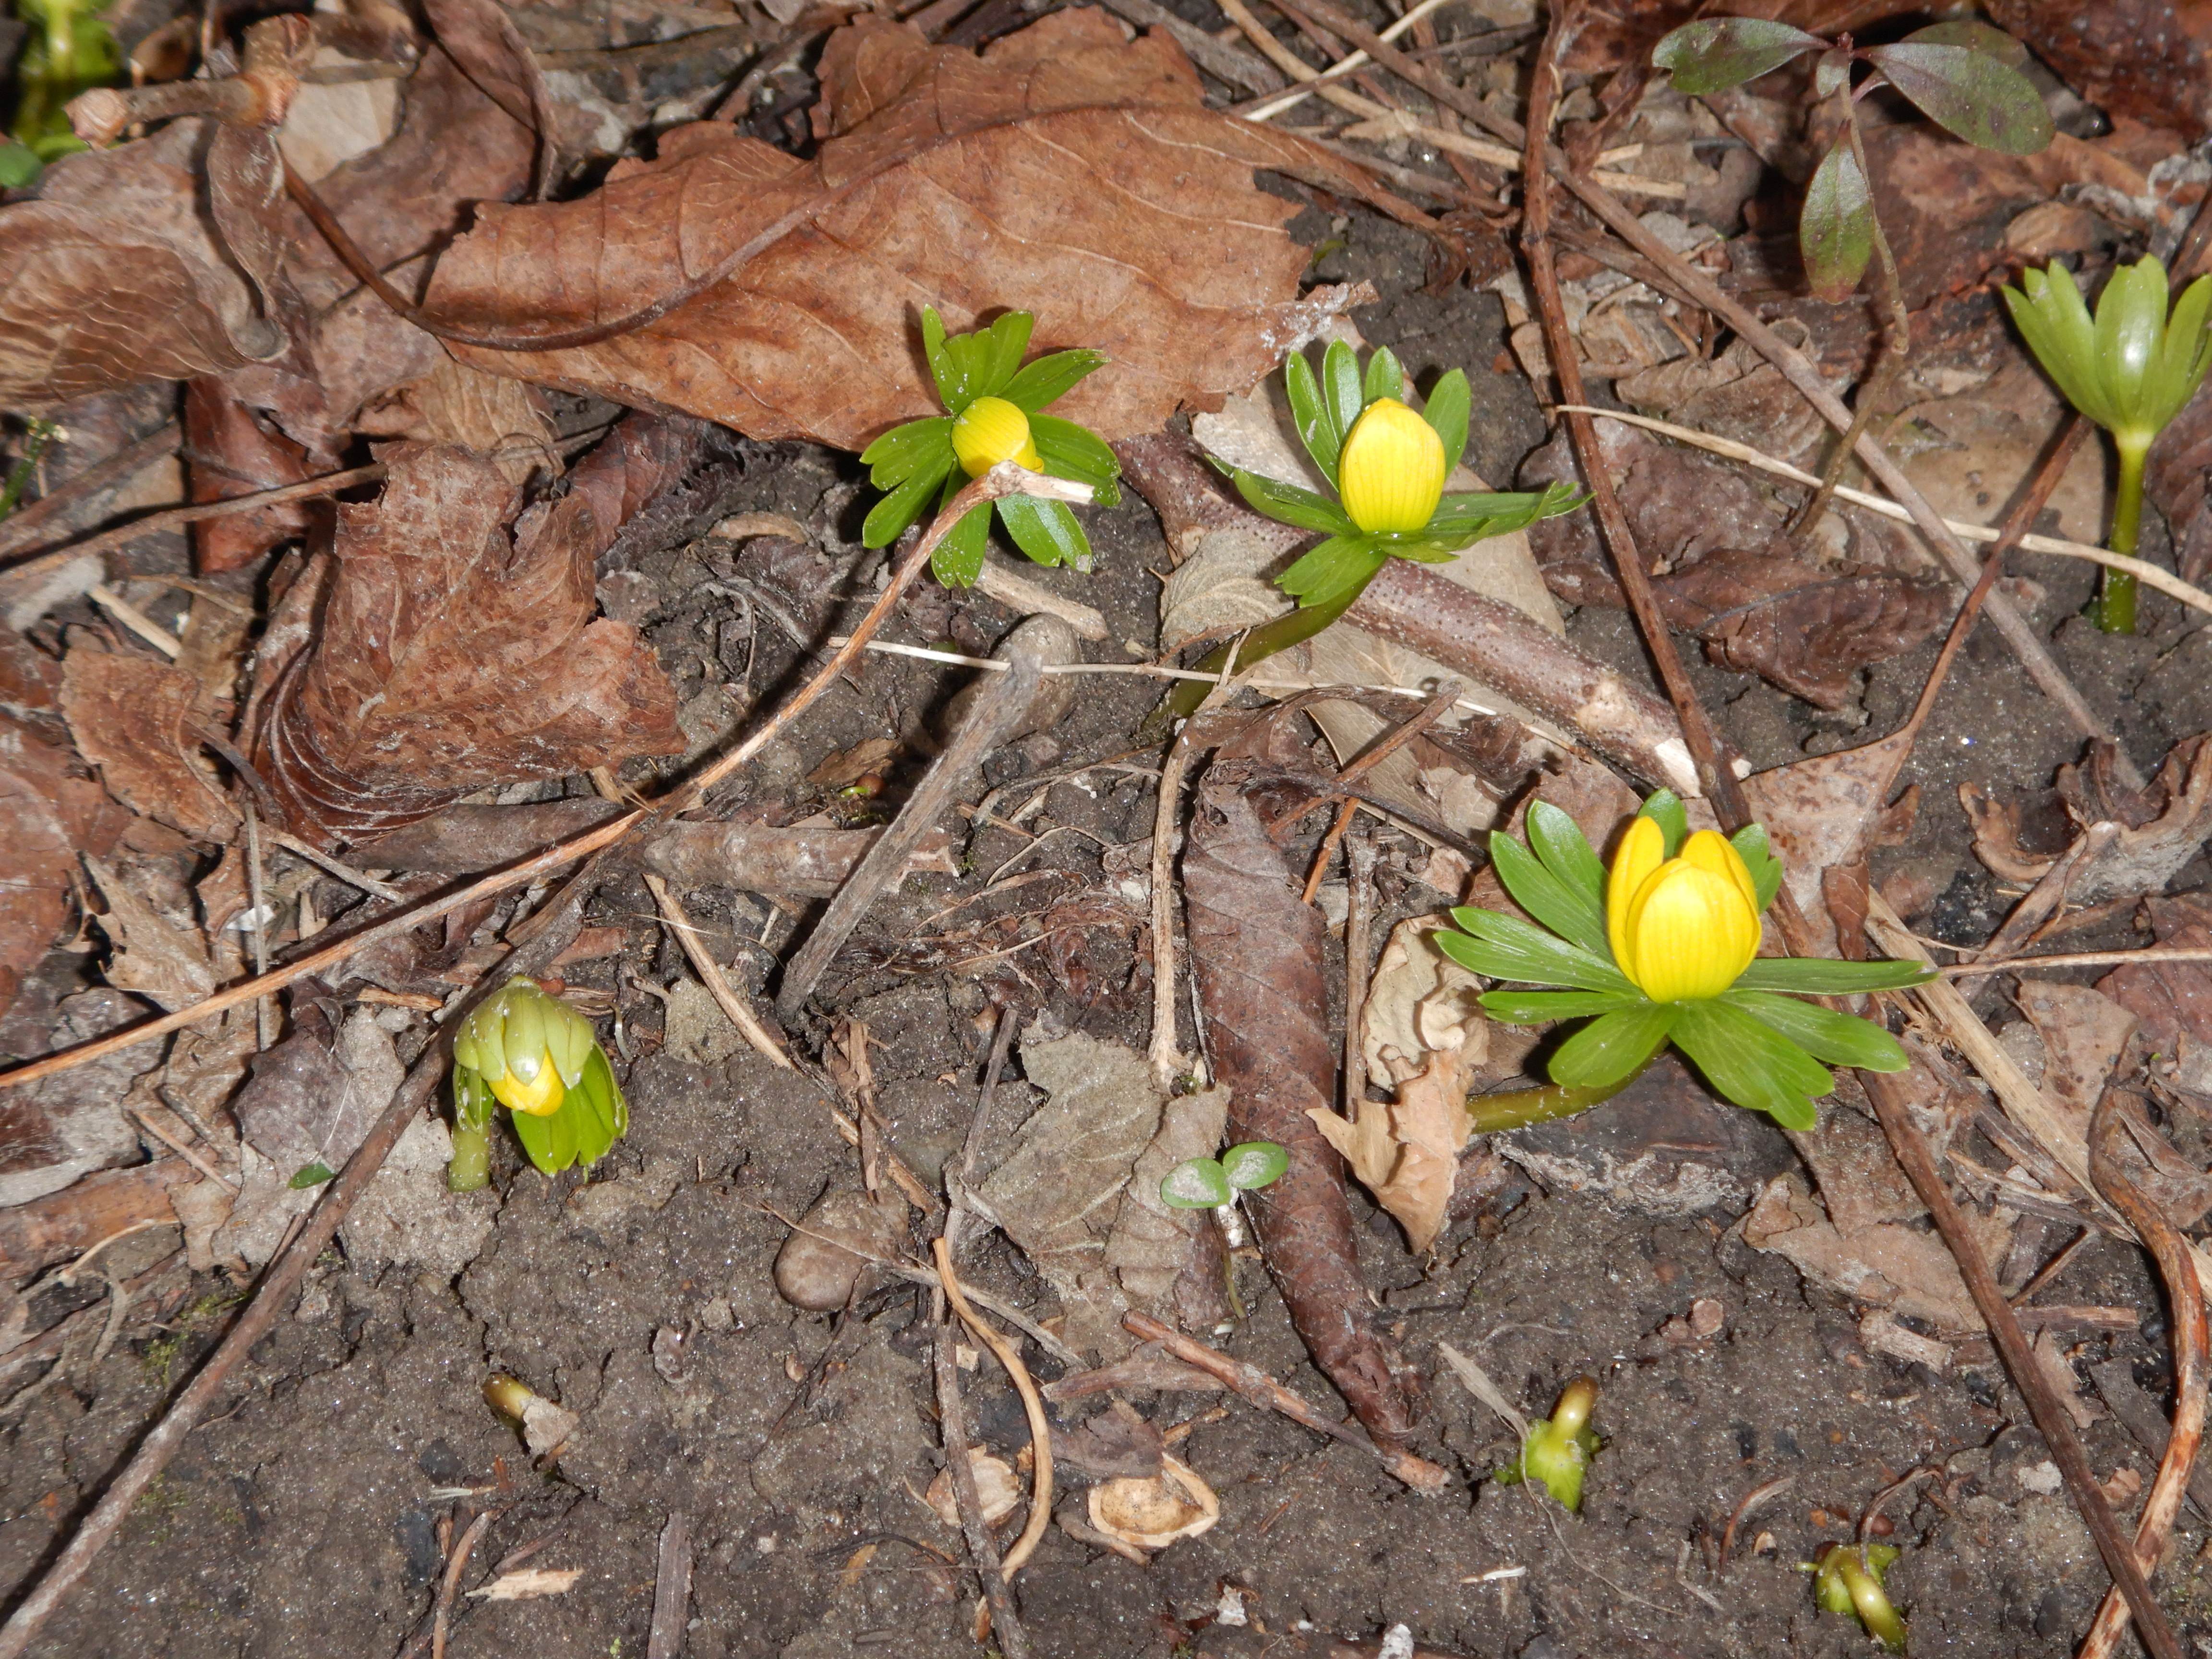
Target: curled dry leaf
point(457, 646)
point(1419, 999)
point(138, 720)
point(117, 271)
point(1407, 1154)
point(52, 812)
point(1060, 173)
point(2162, 825)
point(1735, 582)
point(2173, 1000)
point(1067, 1193)
point(233, 452)
point(997, 1487)
point(1153, 1514)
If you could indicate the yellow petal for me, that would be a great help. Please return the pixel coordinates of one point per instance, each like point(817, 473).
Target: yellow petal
point(540, 1098)
point(991, 430)
point(1641, 850)
point(1690, 932)
point(1709, 849)
point(1391, 473)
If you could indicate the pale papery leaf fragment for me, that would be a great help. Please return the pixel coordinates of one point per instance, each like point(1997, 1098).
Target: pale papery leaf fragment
point(1408, 1153)
point(457, 646)
point(526, 1582)
point(1067, 171)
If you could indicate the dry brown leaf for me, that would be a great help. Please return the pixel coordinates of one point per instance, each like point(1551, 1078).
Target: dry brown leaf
point(2162, 826)
point(1059, 1191)
point(1828, 814)
point(52, 813)
point(162, 957)
point(2145, 58)
point(1417, 997)
point(2173, 1000)
point(1888, 1264)
point(2083, 1033)
point(136, 720)
point(457, 646)
point(1061, 174)
point(1156, 1252)
point(1173, 1504)
point(118, 272)
point(1407, 1154)
point(234, 452)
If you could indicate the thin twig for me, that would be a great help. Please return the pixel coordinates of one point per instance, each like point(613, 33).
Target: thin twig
point(1261, 1390)
point(1167, 1057)
point(456, 1564)
point(2082, 959)
point(952, 1425)
point(712, 976)
point(1751, 1499)
point(176, 518)
point(1891, 1106)
point(336, 867)
point(24, 526)
point(1040, 1426)
point(671, 1588)
point(1629, 566)
point(1326, 852)
point(1358, 962)
point(1001, 701)
point(2177, 1267)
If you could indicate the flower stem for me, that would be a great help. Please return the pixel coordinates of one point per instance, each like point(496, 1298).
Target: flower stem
point(2115, 608)
point(470, 1167)
point(1517, 1109)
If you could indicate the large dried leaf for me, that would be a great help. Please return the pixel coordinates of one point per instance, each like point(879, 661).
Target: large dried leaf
point(118, 273)
point(1062, 1191)
point(52, 812)
point(457, 646)
point(135, 718)
point(1887, 1264)
point(1067, 171)
point(1256, 954)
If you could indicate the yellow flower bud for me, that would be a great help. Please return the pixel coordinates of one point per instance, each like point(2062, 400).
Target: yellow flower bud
point(527, 1047)
point(541, 1097)
point(991, 430)
point(1391, 473)
point(1682, 929)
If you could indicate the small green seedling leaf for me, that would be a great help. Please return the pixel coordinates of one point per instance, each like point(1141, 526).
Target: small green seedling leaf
point(1254, 1165)
point(1835, 234)
point(1979, 97)
point(312, 1175)
point(1832, 73)
point(1716, 54)
point(1196, 1183)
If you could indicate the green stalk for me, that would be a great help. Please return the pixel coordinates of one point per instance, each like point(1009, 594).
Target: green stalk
point(470, 1168)
point(1517, 1109)
point(18, 476)
point(2115, 608)
point(1264, 641)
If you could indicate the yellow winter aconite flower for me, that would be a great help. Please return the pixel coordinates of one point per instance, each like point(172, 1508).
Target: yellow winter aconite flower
point(1392, 471)
point(991, 430)
point(1683, 929)
point(528, 1048)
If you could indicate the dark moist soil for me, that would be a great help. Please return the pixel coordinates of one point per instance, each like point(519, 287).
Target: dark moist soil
point(305, 1518)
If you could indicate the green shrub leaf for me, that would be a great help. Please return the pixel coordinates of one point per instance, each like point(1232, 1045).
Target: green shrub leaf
point(1716, 54)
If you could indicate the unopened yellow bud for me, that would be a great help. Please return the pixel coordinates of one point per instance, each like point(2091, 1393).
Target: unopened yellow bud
point(1682, 929)
point(540, 1097)
point(991, 430)
point(1391, 473)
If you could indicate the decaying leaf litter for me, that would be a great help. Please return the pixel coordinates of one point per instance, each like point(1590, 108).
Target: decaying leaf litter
point(542, 341)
